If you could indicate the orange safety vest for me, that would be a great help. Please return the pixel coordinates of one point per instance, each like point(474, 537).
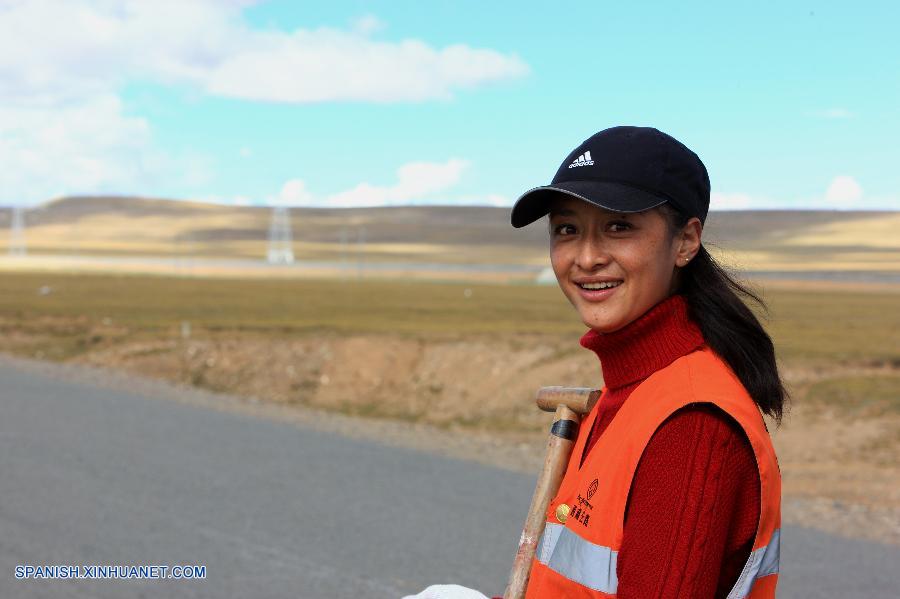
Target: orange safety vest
point(577, 553)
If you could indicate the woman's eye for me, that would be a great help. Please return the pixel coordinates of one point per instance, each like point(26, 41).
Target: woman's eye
point(563, 229)
point(622, 226)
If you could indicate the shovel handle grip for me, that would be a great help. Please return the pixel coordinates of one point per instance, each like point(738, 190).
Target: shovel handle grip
point(563, 433)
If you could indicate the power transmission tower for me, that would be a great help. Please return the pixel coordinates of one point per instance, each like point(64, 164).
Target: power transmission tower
point(17, 233)
point(281, 249)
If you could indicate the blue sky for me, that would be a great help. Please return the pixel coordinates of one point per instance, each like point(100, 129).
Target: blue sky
point(791, 104)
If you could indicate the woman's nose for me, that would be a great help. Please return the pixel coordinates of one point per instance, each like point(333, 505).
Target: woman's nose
point(592, 252)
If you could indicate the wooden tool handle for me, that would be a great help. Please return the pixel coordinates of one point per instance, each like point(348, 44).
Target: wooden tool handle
point(559, 447)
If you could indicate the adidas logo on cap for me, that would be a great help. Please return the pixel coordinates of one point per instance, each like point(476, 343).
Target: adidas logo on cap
point(583, 160)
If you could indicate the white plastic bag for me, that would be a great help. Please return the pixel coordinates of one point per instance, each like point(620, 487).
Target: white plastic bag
point(447, 591)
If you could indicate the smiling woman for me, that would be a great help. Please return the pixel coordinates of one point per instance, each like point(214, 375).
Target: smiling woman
point(631, 253)
point(673, 488)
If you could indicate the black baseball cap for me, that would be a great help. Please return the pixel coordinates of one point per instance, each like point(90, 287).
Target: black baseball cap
point(624, 169)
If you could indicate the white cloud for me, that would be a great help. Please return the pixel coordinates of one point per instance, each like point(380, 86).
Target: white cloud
point(88, 48)
point(91, 146)
point(368, 24)
point(493, 199)
point(882, 202)
point(331, 65)
point(843, 192)
point(293, 193)
point(833, 113)
point(417, 182)
point(730, 201)
point(62, 63)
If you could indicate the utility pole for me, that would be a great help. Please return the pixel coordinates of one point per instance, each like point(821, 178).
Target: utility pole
point(17, 245)
point(281, 249)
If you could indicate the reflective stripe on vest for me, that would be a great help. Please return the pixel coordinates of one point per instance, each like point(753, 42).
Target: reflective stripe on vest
point(590, 565)
point(594, 566)
point(762, 562)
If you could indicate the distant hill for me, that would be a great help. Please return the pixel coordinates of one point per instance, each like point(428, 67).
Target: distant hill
point(754, 239)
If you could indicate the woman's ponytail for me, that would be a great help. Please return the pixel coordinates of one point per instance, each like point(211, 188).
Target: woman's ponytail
point(729, 326)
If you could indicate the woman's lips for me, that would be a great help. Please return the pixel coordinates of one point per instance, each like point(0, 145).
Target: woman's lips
point(597, 295)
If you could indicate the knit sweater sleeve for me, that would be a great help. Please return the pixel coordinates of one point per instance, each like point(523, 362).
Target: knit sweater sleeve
point(692, 510)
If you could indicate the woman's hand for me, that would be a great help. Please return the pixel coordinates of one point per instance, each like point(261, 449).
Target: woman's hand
point(447, 591)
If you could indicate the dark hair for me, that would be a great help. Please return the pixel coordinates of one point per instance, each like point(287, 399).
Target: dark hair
point(728, 325)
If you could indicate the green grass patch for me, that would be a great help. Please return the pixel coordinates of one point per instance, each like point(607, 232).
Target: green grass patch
point(284, 307)
point(807, 326)
point(835, 326)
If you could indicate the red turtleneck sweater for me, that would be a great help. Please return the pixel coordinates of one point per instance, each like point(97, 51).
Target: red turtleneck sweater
point(694, 503)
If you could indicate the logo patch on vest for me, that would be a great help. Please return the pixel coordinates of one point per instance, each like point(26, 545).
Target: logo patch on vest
point(581, 510)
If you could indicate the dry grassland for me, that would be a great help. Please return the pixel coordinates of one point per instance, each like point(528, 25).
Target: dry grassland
point(762, 240)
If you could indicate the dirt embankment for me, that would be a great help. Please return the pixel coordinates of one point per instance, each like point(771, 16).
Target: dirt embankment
point(476, 383)
point(471, 398)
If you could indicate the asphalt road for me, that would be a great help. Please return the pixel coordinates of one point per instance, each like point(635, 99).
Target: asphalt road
point(90, 475)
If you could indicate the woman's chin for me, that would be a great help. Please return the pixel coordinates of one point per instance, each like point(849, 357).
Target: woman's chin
point(603, 326)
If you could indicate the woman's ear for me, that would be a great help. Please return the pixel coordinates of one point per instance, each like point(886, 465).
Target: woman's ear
point(689, 243)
